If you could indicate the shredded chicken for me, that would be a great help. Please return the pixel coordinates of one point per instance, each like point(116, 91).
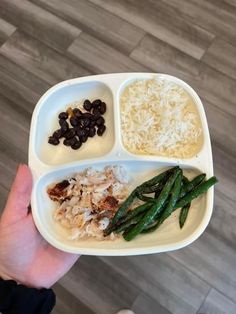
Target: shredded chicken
point(89, 200)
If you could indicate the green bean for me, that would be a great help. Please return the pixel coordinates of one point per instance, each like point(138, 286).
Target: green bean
point(137, 210)
point(123, 208)
point(148, 189)
point(154, 222)
point(150, 228)
point(157, 179)
point(159, 189)
point(128, 223)
point(201, 188)
point(185, 180)
point(145, 198)
point(153, 211)
point(132, 213)
point(187, 187)
point(183, 215)
point(174, 195)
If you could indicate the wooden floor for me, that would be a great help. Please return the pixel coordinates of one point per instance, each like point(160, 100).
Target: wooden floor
point(43, 42)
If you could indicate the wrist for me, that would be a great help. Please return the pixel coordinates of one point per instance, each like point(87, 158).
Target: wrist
point(4, 276)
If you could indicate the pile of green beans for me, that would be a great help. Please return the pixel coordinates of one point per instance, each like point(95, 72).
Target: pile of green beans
point(171, 190)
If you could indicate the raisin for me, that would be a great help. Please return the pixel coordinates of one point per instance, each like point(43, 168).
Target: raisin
point(84, 138)
point(70, 133)
point(101, 129)
point(63, 115)
point(87, 105)
point(92, 123)
point(76, 145)
point(77, 113)
point(64, 129)
point(102, 109)
point(92, 132)
point(67, 142)
point(96, 103)
point(84, 122)
point(53, 140)
point(57, 134)
point(74, 121)
point(100, 121)
point(81, 132)
point(87, 115)
point(96, 112)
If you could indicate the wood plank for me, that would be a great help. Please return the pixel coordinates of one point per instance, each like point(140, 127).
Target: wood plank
point(14, 136)
point(231, 2)
point(153, 17)
point(216, 16)
point(223, 165)
point(145, 304)
point(67, 303)
point(222, 56)
point(6, 30)
point(223, 219)
point(40, 60)
point(3, 197)
point(39, 23)
point(222, 127)
point(217, 303)
point(96, 21)
point(99, 286)
point(6, 177)
point(18, 93)
point(101, 58)
point(160, 277)
point(20, 74)
point(212, 85)
point(212, 260)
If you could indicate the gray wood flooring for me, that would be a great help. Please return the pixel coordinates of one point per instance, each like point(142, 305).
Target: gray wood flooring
point(43, 42)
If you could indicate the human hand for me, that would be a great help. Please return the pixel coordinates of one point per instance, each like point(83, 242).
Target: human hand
point(24, 255)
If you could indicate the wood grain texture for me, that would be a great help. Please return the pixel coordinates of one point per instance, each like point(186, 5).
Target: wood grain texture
point(96, 21)
point(213, 261)
point(216, 16)
point(216, 303)
point(44, 42)
point(39, 59)
point(6, 30)
point(17, 92)
point(155, 19)
point(99, 57)
point(222, 56)
point(68, 303)
point(218, 122)
point(3, 197)
point(160, 278)
point(145, 304)
point(98, 286)
point(39, 23)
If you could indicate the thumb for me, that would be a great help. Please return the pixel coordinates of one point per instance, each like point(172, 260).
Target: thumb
point(19, 196)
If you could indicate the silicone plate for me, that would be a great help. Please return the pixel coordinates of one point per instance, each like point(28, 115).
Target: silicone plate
point(53, 163)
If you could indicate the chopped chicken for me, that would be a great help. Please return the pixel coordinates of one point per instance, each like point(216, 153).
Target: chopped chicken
point(89, 200)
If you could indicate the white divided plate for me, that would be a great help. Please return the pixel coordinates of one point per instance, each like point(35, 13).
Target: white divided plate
point(50, 164)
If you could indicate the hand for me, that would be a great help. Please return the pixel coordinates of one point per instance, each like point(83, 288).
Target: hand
point(24, 255)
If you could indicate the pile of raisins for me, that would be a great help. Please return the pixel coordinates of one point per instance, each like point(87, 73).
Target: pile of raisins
point(76, 126)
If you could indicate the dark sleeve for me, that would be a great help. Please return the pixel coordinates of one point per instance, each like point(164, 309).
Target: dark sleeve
point(18, 299)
